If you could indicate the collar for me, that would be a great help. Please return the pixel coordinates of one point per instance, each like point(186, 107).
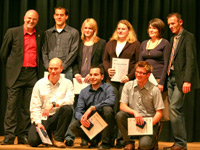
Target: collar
point(146, 86)
point(179, 34)
point(49, 83)
point(100, 87)
point(55, 30)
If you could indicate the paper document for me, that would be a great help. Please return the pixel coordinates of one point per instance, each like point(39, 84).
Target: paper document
point(152, 79)
point(121, 68)
point(99, 125)
point(45, 139)
point(135, 130)
point(78, 87)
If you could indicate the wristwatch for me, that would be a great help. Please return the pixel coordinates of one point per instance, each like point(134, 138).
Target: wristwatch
point(54, 104)
point(93, 108)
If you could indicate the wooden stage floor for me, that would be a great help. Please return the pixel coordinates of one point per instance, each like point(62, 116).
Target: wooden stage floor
point(191, 146)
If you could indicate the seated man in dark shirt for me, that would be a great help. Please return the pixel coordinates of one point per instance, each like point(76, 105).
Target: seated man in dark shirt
point(97, 97)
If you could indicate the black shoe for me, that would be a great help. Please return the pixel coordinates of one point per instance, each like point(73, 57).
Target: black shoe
point(23, 140)
point(120, 144)
point(104, 146)
point(7, 141)
point(69, 142)
point(84, 142)
point(93, 144)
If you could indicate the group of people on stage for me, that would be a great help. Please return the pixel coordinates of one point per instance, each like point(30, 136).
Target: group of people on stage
point(49, 102)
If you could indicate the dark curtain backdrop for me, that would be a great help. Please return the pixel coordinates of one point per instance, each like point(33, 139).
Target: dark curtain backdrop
point(107, 13)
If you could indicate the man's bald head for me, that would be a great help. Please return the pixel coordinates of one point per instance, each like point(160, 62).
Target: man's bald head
point(30, 20)
point(56, 61)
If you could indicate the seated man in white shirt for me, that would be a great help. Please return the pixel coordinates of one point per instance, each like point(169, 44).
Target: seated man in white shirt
point(140, 98)
point(50, 107)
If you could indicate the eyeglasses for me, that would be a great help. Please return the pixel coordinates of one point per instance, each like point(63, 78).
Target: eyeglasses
point(141, 73)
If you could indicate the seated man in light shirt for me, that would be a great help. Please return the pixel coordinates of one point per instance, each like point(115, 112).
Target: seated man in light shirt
point(140, 98)
point(50, 107)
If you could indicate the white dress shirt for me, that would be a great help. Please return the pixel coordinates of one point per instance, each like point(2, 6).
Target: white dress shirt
point(44, 93)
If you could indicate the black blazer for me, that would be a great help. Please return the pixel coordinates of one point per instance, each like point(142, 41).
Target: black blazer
point(97, 55)
point(185, 61)
point(12, 53)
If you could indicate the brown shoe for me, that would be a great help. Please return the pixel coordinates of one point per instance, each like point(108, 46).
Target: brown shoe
point(59, 144)
point(129, 147)
point(175, 147)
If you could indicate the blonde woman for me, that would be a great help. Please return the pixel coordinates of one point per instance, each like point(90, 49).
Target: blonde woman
point(91, 50)
point(122, 44)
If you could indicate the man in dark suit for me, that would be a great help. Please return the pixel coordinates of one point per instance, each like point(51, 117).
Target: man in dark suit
point(183, 77)
point(20, 51)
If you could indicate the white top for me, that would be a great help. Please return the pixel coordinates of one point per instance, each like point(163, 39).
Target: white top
point(44, 93)
point(119, 48)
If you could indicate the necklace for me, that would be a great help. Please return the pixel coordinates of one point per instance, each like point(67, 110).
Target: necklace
point(151, 45)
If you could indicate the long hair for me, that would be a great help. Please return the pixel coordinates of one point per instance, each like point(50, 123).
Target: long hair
point(93, 25)
point(132, 37)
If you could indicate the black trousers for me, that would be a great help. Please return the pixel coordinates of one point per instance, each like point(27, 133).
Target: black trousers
point(58, 123)
point(108, 115)
point(24, 86)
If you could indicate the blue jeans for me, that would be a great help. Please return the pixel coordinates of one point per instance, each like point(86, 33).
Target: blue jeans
point(176, 99)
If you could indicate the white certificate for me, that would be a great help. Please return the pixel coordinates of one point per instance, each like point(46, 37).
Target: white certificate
point(152, 79)
point(44, 139)
point(121, 68)
point(79, 86)
point(135, 130)
point(99, 125)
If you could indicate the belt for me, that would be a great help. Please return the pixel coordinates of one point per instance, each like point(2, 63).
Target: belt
point(28, 68)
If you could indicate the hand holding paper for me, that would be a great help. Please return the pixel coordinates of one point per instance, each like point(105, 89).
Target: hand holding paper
point(111, 72)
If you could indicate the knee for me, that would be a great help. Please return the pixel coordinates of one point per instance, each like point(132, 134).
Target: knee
point(146, 143)
point(119, 116)
point(67, 110)
point(145, 146)
point(108, 111)
point(75, 127)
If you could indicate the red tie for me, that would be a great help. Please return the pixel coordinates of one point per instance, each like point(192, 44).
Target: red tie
point(172, 54)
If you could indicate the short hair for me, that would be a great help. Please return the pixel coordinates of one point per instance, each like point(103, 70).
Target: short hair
point(94, 27)
point(158, 24)
point(132, 37)
point(57, 60)
point(66, 11)
point(145, 65)
point(98, 66)
point(178, 16)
